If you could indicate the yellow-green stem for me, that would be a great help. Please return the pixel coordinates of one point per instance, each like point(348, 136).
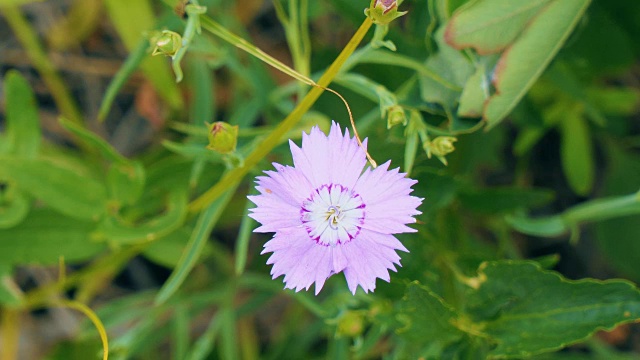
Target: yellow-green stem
point(273, 138)
point(29, 40)
point(10, 333)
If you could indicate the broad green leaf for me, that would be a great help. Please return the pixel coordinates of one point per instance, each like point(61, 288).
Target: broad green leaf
point(474, 94)
point(490, 25)
point(504, 199)
point(45, 236)
point(576, 151)
point(206, 221)
point(58, 185)
point(126, 182)
point(23, 123)
point(131, 22)
point(526, 310)
point(116, 231)
point(453, 67)
point(429, 322)
point(523, 62)
point(14, 207)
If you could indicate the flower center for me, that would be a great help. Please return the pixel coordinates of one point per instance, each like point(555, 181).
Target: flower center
point(332, 215)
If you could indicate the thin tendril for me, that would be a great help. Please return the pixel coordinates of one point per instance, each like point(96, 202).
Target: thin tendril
point(353, 125)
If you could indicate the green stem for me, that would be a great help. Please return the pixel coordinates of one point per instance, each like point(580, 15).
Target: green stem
point(236, 175)
point(219, 30)
point(594, 210)
point(602, 209)
point(29, 40)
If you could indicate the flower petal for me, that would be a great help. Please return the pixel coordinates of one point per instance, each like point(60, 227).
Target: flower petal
point(367, 260)
point(389, 207)
point(333, 159)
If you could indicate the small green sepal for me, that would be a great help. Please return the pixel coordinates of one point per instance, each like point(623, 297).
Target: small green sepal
point(166, 43)
point(383, 12)
point(395, 116)
point(440, 147)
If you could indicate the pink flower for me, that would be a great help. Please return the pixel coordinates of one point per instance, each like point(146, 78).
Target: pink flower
point(330, 217)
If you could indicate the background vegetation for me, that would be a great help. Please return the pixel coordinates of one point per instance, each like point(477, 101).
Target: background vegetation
point(117, 222)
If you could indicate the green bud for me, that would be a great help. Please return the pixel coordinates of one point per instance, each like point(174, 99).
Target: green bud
point(440, 147)
point(351, 324)
point(222, 137)
point(383, 11)
point(166, 43)
point(395, 116)
point(443, 145)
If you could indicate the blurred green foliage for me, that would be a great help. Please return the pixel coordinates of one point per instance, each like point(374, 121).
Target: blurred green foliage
point(541, 97)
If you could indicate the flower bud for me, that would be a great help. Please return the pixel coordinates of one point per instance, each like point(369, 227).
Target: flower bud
point(351, 324)
point(222, 137)
point(443, 145)
point(383, 11)
point(440, 146)
point(395, 116)
point(166, 43)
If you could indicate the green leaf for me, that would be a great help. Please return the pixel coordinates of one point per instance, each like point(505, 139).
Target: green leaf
point(505, 199)
point(45, 236)
point(526, 310)
point(474, 94)
point(116, 231)
point(429, 322)
point(167, 250)
point(548, 226)
point(23, 123)
point(490, 25)
point(126, 70)
point(523, 62)
point(614, 101)
point(576, 151)
point(14, 207)
point(453, 67)
point(58, 184)
point(126, 182)
point(93, 140)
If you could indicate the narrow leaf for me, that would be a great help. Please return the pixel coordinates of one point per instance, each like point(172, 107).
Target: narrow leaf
point(195, 246)
point(576, 153)
point(113, 230)
point(23, 123)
